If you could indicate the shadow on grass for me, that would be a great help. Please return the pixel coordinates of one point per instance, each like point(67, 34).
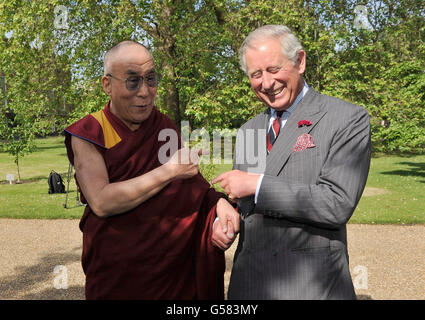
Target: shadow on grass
point(64, 176)
point(42, 177)
point(417, 169)
point(394, 154)
point(51, 147)
point(27, 278)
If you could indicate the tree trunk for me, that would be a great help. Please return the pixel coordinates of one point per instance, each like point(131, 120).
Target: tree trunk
point(171, 98)
point(17, 164)
point(164, 40)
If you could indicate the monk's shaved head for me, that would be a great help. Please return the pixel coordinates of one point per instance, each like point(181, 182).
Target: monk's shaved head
point(113, 53)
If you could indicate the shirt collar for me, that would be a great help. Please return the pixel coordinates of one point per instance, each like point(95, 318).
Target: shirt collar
point(298, 99)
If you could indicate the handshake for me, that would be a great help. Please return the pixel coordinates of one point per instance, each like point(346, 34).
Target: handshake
point(226, 226)
point(237, 184)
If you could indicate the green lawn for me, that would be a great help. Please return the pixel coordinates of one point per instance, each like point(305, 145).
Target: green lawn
point(395, 191)
point(31, 198)
point(396, 185)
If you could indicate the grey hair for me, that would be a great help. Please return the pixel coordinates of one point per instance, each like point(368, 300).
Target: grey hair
point(288, 41)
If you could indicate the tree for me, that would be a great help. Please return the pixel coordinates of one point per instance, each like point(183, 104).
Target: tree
point(52, 58)
point(379, 67)
point(17, 137)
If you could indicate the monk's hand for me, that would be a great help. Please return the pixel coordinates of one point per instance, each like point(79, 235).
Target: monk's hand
point(227, 215)
point(185, 162)
point(237, 184)
point(220, 239)
point(227, 226)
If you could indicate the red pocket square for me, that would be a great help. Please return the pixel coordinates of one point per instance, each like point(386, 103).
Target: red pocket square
point(304, 141)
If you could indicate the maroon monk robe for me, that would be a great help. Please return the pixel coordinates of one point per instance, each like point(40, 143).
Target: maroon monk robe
point(162, 248)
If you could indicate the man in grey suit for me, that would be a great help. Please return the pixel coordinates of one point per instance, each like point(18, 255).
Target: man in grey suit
point(296, 199)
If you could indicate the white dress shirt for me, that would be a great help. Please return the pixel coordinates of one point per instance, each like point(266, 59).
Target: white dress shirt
point(284, 118)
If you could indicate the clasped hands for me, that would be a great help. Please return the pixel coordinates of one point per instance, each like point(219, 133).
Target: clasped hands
point(237, 184)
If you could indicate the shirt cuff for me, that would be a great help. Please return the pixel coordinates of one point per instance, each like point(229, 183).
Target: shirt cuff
point(258, 188)
point(216, 219)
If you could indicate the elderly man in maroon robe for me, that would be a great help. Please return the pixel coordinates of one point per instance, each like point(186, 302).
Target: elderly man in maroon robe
point(148, 227)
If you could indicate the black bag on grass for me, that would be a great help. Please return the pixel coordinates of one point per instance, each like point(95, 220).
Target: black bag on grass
point(56, 183)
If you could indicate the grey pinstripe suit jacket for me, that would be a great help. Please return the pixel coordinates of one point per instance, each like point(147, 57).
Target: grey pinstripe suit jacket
point(293, 243)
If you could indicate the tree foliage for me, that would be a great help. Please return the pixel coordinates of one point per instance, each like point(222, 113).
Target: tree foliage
point(51, 57)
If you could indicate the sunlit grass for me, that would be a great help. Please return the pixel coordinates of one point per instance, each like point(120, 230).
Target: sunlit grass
point(400, 191)
point(31, 199)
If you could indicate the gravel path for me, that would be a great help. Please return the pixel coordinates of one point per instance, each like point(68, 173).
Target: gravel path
point(40, 259)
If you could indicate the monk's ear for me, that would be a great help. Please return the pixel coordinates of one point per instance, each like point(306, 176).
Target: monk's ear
point(106, 84)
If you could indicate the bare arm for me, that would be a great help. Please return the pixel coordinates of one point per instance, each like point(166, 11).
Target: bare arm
point(107, 199)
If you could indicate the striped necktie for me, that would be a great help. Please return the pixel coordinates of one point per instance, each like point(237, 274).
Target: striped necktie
point(274, 131)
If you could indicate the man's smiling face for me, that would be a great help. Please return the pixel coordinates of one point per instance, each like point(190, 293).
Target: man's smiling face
point(274, 78)
point(135, 106)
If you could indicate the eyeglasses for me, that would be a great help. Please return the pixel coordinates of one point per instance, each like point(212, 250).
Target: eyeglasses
point(133, 83)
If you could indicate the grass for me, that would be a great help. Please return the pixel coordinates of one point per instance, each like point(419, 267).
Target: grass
point(395, 191)
point(31, 200)
point(399, 191)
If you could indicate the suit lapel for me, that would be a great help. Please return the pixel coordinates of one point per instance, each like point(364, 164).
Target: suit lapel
point(262, 122)
point(309, 108)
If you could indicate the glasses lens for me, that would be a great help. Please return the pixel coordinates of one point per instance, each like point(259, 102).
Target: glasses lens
point(152, 80)
point(133, 83)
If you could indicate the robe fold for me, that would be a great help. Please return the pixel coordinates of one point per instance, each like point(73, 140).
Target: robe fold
point(162, 248)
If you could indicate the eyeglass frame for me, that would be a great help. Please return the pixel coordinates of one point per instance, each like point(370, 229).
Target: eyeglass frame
point(141, 78)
